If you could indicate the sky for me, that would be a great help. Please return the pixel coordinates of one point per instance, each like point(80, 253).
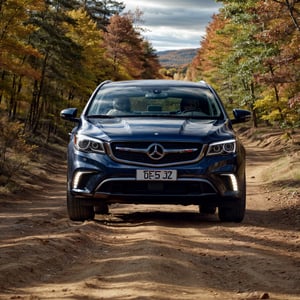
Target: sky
point(174, 24)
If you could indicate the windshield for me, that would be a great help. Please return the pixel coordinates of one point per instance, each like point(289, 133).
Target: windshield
point(152, 101)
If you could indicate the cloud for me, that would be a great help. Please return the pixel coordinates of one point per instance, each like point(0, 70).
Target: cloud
point(174, 24)
point(164, 38)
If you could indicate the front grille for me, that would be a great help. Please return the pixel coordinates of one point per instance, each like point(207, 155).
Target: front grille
point(138, 153)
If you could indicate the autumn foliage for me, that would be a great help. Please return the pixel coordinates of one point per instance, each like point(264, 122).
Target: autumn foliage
point(54, 53)
point(251, 55)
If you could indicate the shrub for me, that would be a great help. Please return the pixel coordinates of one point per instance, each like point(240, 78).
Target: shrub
point(14, 150)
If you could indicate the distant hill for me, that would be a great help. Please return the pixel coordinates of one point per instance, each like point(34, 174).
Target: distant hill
point(176, 58)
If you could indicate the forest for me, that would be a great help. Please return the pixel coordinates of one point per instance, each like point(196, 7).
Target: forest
point(250, 54)
point(53, 53)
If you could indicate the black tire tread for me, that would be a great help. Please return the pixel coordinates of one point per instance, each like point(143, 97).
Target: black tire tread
point(77, 211)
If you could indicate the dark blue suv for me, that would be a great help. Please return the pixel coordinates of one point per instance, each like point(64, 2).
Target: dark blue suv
point(155, 142)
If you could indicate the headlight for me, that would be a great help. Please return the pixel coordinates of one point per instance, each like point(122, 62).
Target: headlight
point(88, 144)
point(222, 148)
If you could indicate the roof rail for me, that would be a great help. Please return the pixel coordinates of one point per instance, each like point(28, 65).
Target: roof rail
point(106, 81)
point(202, 81)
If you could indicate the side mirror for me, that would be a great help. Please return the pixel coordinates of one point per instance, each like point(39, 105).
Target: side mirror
point(69, 114)
point(241, 116)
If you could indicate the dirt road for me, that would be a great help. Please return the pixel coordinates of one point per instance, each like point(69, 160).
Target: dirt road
point(150, 252)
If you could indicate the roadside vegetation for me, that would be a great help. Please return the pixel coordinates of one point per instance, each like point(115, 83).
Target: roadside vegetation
point(54, 53)
point(251, 55)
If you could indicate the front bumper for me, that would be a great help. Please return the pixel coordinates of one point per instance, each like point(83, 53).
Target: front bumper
point(213, 180)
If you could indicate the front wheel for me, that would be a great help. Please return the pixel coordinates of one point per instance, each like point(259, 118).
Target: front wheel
point(77, 211)
point(233, 213)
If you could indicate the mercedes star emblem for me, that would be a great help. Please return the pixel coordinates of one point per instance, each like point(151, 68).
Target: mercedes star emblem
point(156, 151)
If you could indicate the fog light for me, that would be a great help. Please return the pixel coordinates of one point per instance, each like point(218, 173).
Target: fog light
point(233, 182)
point(80, 179)
point(76, 180)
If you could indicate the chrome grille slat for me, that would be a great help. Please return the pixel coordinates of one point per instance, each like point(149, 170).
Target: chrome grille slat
point(174, 153)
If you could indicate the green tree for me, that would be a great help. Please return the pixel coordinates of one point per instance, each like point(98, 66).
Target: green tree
point(61, 56)
point(151, 64)
point(101, 10)
point(247, 53)
point(95, 66)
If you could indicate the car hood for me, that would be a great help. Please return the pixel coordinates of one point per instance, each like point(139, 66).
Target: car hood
point(157, 128)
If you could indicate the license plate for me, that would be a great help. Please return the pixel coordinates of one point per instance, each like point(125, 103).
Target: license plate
point(156, 175)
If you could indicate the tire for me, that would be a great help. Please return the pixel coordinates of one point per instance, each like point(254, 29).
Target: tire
point(236, 211)
point(233, 213)
point(206, 209)
point(77, 211)
point(101, 208)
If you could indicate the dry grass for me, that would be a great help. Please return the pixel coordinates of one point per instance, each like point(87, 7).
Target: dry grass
point(284, 172)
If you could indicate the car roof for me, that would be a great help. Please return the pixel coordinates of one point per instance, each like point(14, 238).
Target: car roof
point(156, 83)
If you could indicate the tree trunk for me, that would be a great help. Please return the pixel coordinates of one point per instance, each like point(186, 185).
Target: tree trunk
point(39, 107)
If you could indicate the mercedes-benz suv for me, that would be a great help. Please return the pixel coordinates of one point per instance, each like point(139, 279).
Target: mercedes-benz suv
point(155, 142)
